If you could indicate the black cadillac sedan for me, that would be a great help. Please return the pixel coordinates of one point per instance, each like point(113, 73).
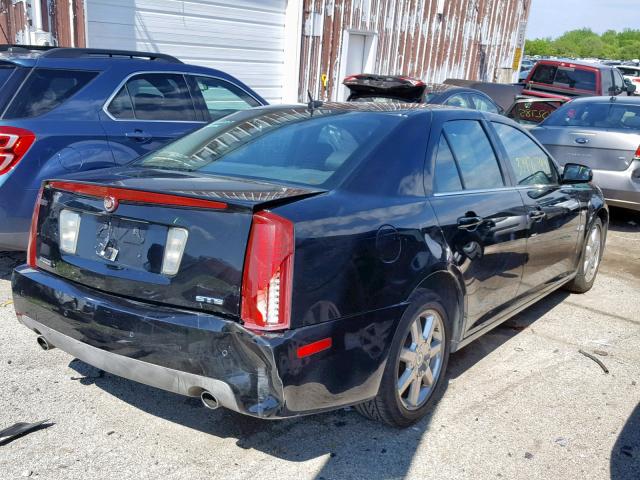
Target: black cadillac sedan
point(289, 260)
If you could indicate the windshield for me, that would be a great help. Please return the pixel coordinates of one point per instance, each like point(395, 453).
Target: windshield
point(290, 146)
point(610, 115)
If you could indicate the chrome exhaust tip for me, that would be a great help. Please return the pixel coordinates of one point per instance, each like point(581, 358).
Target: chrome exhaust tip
point(44, 344)
point(209, 400)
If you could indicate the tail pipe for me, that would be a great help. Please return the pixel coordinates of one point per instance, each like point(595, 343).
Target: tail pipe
point(209, 400)
point(44, 344)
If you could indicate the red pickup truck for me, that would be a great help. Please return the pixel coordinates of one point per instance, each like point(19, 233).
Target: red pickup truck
point(568, 78)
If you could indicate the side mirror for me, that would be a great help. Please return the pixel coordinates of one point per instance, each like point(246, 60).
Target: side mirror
point(576, 173)
point(630, 88)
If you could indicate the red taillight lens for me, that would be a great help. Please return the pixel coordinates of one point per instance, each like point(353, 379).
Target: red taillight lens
point(14, 143)
point(350, 78)
point(637, 154)
point(33, 232)
point(268, 273)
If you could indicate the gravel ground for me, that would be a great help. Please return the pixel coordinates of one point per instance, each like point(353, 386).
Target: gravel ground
point(521, 403)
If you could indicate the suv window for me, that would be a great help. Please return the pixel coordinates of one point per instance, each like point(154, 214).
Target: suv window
point(446, 177)
point(474, 155)
point(45, 89)
point(530, 163)
point(483, 104)
point(223, 98)
point(154, 96)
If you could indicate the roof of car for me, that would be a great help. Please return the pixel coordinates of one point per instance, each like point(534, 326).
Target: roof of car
point(580, 63)
point(37, 51)
point(633, 100)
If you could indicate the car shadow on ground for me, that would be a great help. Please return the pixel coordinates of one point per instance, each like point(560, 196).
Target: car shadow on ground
point(625, 456)
point(622, 220)
point(9, 261)
point(349, 442)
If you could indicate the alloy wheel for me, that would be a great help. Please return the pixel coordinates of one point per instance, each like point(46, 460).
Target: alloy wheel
point(592, 253)
point(421, 359)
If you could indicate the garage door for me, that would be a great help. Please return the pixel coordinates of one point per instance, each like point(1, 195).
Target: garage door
point(245, 38)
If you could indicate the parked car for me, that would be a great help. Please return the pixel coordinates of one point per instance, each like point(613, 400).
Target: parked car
point(570, 78)
point(530, 112)
point(632, 74)
point(285, 261)
point(65, 110)
point(384, 89)
point(604, 134)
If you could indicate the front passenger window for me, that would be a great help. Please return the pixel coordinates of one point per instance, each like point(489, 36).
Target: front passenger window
point(223, 98)
point(529, 162)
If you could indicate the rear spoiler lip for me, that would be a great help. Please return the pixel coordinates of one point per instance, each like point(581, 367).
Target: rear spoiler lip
point(176, 198)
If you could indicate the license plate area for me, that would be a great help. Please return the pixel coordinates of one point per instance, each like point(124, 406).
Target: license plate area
point(122, 243)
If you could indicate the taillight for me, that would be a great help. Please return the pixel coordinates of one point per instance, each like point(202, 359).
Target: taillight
point(33, 232)
point(636, 156)
point(14, 143)
point(268, 273)
point(350, 78)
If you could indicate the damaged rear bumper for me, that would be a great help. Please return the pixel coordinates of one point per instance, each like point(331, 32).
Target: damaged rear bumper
point(175, 350)
point(190, 352)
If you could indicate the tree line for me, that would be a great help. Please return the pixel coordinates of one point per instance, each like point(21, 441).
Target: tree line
point(585, 43)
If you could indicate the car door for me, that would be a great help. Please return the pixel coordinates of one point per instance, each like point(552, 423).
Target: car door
point(146, 112)
point(555, 215)
point(481, 216)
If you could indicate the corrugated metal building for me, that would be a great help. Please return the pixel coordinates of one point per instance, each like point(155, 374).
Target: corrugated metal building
point(284, 48)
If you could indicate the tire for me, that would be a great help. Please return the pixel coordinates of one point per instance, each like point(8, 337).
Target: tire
point(589, 260)
point(401, 409)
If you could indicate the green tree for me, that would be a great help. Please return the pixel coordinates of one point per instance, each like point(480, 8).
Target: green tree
point(585, 43)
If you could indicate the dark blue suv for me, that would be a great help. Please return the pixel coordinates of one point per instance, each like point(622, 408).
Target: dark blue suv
point(64, 110)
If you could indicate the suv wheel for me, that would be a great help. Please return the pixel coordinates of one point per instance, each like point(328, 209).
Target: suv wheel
point(416, 367)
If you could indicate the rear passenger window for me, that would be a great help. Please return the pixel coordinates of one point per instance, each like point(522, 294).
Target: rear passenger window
point(45, 89)
point(154, 96)
point(457, 101)
point(529, 162)
point(474, 155)
point(223, 98)
point(483, 104)
point(446, 177)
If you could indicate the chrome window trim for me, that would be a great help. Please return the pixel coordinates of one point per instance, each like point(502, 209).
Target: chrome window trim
point(171, 72)
point(499, 189)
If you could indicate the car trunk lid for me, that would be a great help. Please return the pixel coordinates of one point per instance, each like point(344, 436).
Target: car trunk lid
point(402, 88)
point(125, 219)
point(596, 148)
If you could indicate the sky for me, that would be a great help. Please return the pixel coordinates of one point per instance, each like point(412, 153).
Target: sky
point(551, 18)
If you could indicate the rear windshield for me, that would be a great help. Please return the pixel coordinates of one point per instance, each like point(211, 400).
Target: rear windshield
point(610, 115)
point(5, 73)
point(45, 89)
point(383, 99)
point(565, 77)
point(291, 146)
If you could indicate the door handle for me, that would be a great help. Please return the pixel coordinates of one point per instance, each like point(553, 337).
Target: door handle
point(469, 223)
point(138, 136)
point(537, 215)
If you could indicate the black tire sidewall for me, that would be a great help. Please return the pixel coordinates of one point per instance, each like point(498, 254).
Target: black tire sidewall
point(580, 280)
point(388, 393)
